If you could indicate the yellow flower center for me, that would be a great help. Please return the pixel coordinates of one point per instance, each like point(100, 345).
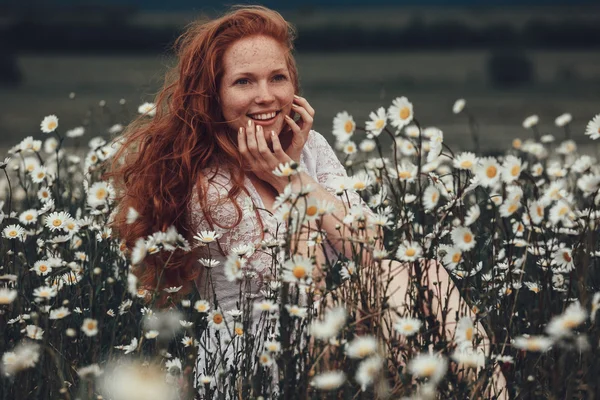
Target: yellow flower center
point(51, 125)
point(218, 318)
point(567, 257)
point(43, 268)
point(410, 252)
point(348, 126)
point(466, 164)
point(40, 175)
point(57, 222)
point(12, 233)
point(517, 143)
point(468, 238)
point(91, 325)
point(299, 272)
point(540, 211)
point(201, 308)
point(456, 257)
point(28, 217)
point(379, 124)
point(404, 113)
point(408, 327)
point(359, 186)
point(428, 370)
point(563, 211)
point(491, 171)
point(434, 197)
point(514, 171)
point(469, 333)
point(350, 148)
point(101, 194)
point(570, 324)
point(405, 175)
point(512, 208)
point(312, 211)
point(239, 331)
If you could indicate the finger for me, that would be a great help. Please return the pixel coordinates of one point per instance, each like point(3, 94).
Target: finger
point(293, 125)
point(242, 141)
point(263, 148)
point(304, 103)
point(307, 119)
point(277, 149)
point(251, 139)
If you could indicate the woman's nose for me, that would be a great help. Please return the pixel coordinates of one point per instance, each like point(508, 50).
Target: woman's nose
point(264, 94)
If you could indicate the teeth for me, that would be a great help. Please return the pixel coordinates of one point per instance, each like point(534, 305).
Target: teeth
point(263, 116)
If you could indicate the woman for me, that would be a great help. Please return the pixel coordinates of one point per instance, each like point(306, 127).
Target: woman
point(205, 163)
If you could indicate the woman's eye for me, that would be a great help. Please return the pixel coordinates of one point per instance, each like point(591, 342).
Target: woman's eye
point(280, 77)
point(242, 81)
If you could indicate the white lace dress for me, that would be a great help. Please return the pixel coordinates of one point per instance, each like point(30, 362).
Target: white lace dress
point(319, 161)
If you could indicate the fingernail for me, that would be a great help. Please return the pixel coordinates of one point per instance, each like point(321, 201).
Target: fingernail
point(241, 130)
point(249, 122)
point(287, 117)
point(259, 128)
point(296, 96)
point(272, 133)
point(294, 105)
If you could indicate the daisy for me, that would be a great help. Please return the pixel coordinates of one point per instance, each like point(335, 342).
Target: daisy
point(465, 160)
point(99, 194)
point(266, 306)
point(285, 170)
point(13, 232)
point(377, 122)
point(38, 174)
point(468, 358)
point(428, 366)
point(465, 332)
point(49, 124)
point(458, 106)
point(28, 217)
point(129, 348)
point(207, 236)
point(472, 215)
point(508, 208)
point(334, 321)
point(431, 196)
point(187, 341)
point(511, 168)
point(298, 269)
point(563, 119)
point(209, 262)
point(408, 326)
point(349, 148)
point(42, 267)
point(563, 324)
point(559, 212)
point(90, 327)
point(296, 311)
point(463, 238)
point(407, 171)
point(7, 296)
point(593, 311)
point(593, 128)
point(533, 343)
point(330, 380)
point(367, 145)
point(400, 112)
point(452, 256)
point(409, 251)
point(59, 313)
point(216, 320)
point(173, 289)
point(234, 267)
point(56, 220)
point(265, 359)
point(343, 127)
point(368, 371)
point(412, 131)
point(360, 181)
point(44, 195)
point(488, 171)
point(272, 346)
point(132, 215)
point(148, 109)
point(563, 258)
point(530, 121)
point(361, 347)
point(34, 332)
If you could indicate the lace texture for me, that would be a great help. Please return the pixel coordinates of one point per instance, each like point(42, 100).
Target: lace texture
point(319, 161)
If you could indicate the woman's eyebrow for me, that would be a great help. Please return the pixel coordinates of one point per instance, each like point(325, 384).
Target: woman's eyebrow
point(275, 71)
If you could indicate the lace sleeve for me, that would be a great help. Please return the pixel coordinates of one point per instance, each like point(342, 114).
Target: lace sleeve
point(329, 168)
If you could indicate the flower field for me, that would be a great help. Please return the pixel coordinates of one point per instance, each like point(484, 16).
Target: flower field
point(516, 232)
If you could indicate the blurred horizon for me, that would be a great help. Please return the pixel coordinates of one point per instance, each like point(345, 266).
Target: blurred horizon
point(508, 58)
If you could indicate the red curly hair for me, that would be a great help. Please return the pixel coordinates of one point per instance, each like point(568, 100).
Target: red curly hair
point(163, 158)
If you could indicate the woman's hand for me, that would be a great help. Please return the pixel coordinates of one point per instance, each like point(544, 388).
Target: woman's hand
point(261, 160)
point(299, 131)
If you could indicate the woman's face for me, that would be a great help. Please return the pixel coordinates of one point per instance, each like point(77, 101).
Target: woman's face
point(256, 84)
